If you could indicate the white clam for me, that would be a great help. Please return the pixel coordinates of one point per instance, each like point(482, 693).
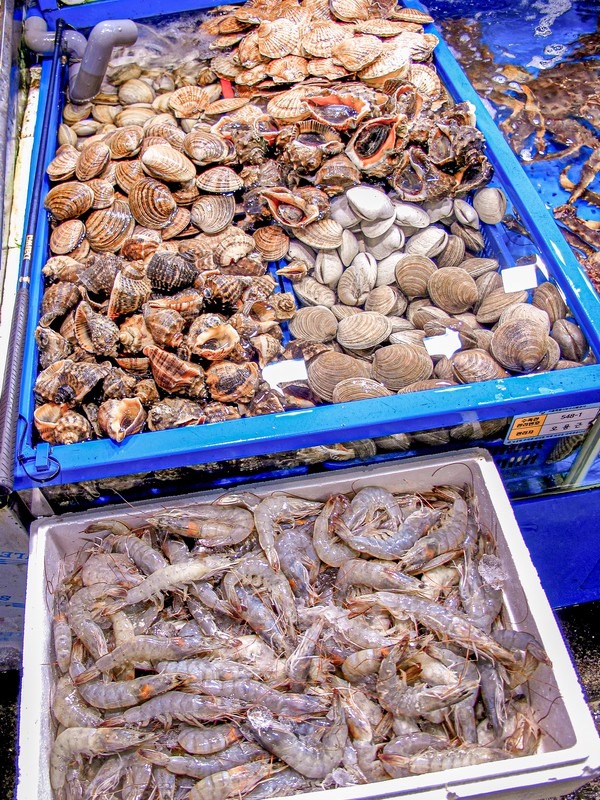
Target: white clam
point(427, 242)
point(383, 246)
point(341, 212)
point(411, 215)
point(439, 210)
point(328, 268)
point(349, 248)
point(386, 270)
point(369, 203)
point(465, 213)
point(302, 252)
point(375, 228)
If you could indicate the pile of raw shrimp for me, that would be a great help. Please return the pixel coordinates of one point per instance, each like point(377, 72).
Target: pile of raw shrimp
point(263, 647)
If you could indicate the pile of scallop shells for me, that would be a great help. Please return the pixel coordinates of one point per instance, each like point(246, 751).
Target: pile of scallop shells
point(170, 197)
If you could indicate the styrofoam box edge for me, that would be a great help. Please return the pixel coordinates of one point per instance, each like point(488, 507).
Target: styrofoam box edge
point(543, 775)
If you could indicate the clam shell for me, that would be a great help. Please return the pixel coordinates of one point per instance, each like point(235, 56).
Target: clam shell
point(328, 268)
point(526, 311)
point(136, 114)
point(465, 213)
point(472, 366)
point(551, 357)
point(62, 167)
point(342, 212)
point(414, 336)
point(369, 203)
point(357, 281)
point(424, 313)
point(314, 324)
point(69, 200)
point(324, 234)
point(496, 302)
point(358, 389)
point(67, 236)
point(204, 147)
point(219, 180)
point(386, 300)
point(452, 289)
point(387, 243)
point(412, 274)
point(411, 215)
point(472, 238)
point(357, 52)
point(427, 242)
point(213, 213)
point(104, 193)
point(339, 310)
point(151, 203)
point(142, 243)
point(430, 383)
point(328, 369)
point(398, 365)
point(476, 267)
point(126, 141)
point(310, 292)
point(272, 242)
point(135, 91)
point(519, 344)
point(453, 253)
point(127, 173)
point(363, 331)
point(490, 204)
point(233, 246)
point(322, 37)
point(571, 340)
point(92, 160)
point(289, 106)
point(179, 225)
point(66, 135)
point(547, 297)
point(164, 162)
point(108, 228)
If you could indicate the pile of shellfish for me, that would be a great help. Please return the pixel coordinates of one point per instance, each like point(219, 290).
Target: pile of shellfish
point(170, 198)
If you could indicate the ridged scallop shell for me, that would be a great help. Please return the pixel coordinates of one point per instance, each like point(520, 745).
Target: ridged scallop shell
point(213, 213)
point(325, 68)
point(472, 366)
point(126, 141)
point(328, 369)
point(313, 324)
point(358, 52)
point(381, 27)
point(571, 340)
point(62, 167)
point(168, 271)
point(190, 101)
point(322, 37)
point(398, 365)
point(121, 418)
point(129, 292)
point(165, 163)
point(350, 10)
point(358, 389)
point(289, 106)
point(69, 200)
point(291, 69)
point(151, 203)
point(394, 62)
point(426, 80)
point(278, 38)
point(452, 289)
point(107, 228)
point(490, 204)
point(324, 234)
point(219, 180)
point(412, 274)
point(519, 345)
point(204, 147)
point(272, 242)
point(496, 302)
point(547, 297)
point(230, 383)
point(412, 15)
point(94, 332)
point(92, 160)
point(363, 331)
point(67, 236)
point(310, 292)
point(225, 105)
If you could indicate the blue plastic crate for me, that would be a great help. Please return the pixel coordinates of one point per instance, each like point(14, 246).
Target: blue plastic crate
point(534, 393)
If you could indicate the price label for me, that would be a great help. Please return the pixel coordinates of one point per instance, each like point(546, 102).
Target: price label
point(564, 422)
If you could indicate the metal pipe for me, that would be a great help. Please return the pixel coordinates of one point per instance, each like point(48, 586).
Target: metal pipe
point(9, 400)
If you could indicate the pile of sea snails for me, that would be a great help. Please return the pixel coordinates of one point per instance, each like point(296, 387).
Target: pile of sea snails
point(341, 152)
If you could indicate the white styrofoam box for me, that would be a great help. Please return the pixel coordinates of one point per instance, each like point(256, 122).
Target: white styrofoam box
point(570, 752)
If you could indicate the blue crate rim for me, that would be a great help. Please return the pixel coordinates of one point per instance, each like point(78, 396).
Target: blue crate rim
point(334, 423)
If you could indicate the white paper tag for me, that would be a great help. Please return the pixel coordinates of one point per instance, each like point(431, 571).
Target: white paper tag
point(284, 371)
point(446, 344)
point(515, 279)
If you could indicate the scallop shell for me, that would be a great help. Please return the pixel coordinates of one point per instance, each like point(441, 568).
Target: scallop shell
point(62, 167)
point(229, 382)
point(213, 213)
point(310, 292)
point(547, 297)
point(383, 28)
point(313, 324)
point(412, 274)
point(329, 368)
point(121, 418)
point(219, 180)
point(358, 52)
point(290, 69)
point(412, 15)
point(398, 365)
point(165, 163)
point(490, 204)
point(129, 292)
point(519, 345)
point(571, 340)
point(190, 101)
point(350, 10)
point(278, 38)
point(425, 80)
point(272, 242)
point(107, 228)
point(358, 389)
point(322, 37)
point(173, 374)
point(363, 331)
point(473, 366)
point(289, 106)
point(324, 234)
point(496, 302)
point(69, 200)
point(325, 68)
point(67, 236)
point(452, 289)
point(151, 203)
point(393, 63)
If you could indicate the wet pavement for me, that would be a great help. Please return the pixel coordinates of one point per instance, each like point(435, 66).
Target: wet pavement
point(578, 623)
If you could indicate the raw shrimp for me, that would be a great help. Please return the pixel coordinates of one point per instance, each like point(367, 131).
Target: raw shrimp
point(448, 536)
point(361, 735)
point(201, 766)
point(202, 616)
point(138, 774)
point(73, 743)
point(373, 507)
point(374, 574)
point(188, 708)
point(211, 525)
point(274, 510)
point(528, 651)
point(255, 571)
point(173, 576)
point(251, 650)
point(124, 694)
point(492, 693)
point(363, 663)
point(113, 568)
point(206, 741)
point(255, 613)
point(299, 562)
point(431, 760)
point(122, 540)
point(82, 606)
point(68, 707)
point(284, 783)
point(328, 546)
point(443, 622)
point(61, 632)
point(207, 595)
point(207, 669)
point(311, 760)
point(108, 777)
point(463, 670)
point(163, 784)
point(176, 550)
point(233, 782)
point(348, 629)
point(298, 664)
point(251, 692)
point(482, 603)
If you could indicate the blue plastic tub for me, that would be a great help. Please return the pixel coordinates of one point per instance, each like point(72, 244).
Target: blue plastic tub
point(39, 464)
